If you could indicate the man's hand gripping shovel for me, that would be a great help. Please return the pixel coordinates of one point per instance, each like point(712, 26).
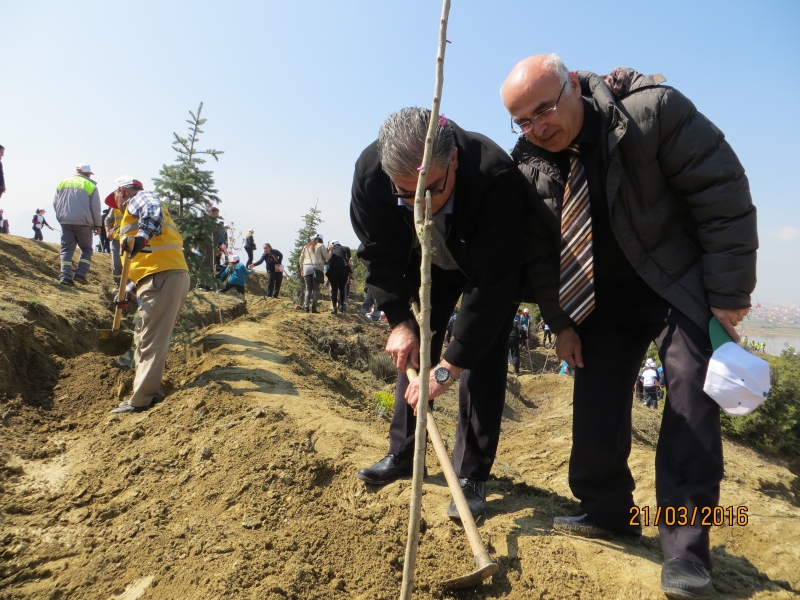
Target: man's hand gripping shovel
point(485, 566)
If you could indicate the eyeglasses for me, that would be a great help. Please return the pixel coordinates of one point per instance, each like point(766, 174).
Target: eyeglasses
point(539, 117)
point(409, 195)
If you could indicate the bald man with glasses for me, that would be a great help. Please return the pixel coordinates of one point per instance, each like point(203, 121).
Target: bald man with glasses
point(476, 199)
point(655, 233)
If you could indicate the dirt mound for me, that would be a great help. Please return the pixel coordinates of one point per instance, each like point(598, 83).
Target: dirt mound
point(240, 483)
point(41, 320)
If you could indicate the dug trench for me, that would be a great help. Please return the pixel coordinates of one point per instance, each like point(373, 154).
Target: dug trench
point(240, 484)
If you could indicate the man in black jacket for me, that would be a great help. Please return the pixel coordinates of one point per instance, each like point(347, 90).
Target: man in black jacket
point(655, 231)
point(476, 198)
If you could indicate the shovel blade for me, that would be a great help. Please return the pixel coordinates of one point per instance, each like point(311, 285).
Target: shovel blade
point(114, 342)
point(473, 579)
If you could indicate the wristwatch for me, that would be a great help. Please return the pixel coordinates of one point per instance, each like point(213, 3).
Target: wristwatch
point(442, 375)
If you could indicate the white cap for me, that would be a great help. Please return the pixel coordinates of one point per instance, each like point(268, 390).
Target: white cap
point(234, 258)
point(650, 362)
point(316, 236)
point(84, 168)
point(335, 243)
point(121, 182)
point(736, 380)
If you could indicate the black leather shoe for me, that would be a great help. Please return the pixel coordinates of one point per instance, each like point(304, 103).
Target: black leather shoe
point(586, 527)
point(475, 495)
point(386, 470)
point(685, 580)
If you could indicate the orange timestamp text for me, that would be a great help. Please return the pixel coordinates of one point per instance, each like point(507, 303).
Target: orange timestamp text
point(683, 516)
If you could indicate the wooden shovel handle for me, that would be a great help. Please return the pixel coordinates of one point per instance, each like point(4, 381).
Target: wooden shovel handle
point(123, 283)
point(467, 520)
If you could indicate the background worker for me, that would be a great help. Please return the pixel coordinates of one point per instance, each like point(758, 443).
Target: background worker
point(274, 263)
point(158, 270)
point(234, 275)
point(77, 208)
point(38, 222)
point(338, 274)
point(112, 224)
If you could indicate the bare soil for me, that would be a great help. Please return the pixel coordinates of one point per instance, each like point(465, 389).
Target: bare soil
point(240, 484)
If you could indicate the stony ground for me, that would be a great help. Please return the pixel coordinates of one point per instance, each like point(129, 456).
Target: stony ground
point(240, 484)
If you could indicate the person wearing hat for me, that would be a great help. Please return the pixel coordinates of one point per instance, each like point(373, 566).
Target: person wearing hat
point(650, 384)
point(653, 231)
point(161, 278)
point(249, 246)
point(4, 228)
point(234, 275)
point(338, 273)
point(38, 222)
point(112, 224)
point(312, 269)
point(78, 210)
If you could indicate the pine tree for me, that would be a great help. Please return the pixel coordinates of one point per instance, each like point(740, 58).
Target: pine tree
point(311, 221)
point(189, 192)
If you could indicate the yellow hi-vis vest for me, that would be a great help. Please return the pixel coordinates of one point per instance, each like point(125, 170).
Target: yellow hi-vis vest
point(166, 249)
point(117, 224)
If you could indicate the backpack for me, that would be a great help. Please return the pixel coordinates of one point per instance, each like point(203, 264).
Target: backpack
point(338, 259)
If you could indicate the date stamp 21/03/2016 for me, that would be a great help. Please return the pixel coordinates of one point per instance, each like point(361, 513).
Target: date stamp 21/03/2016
point(688, 517)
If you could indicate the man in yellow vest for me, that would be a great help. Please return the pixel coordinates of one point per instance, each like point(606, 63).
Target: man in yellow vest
point(159, 272)
point(112, 223)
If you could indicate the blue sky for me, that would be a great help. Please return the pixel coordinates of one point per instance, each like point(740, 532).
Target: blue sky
point(293, 92)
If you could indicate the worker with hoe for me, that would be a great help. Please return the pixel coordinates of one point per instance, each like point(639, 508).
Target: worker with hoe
point(78, 211)
point(476, 199)
point(656, 232)
point(158, 270)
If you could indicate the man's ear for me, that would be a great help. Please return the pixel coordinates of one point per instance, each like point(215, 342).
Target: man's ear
point(454, 158)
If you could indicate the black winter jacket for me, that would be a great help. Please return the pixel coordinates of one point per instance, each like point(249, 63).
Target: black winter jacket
point(484, 236)
point(679, 201)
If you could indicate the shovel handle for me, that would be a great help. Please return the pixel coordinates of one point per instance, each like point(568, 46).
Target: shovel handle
point(467, 520)
point(123, 283)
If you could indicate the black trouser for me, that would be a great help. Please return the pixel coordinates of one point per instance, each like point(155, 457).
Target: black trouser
point(274, 285)
point(249, 256)
point(481, 391)
point(689, 465)
point(37, 234)
point(548, 336)
point(651, 397)
point(232, 286)
point(513, 347)
point(338, 279)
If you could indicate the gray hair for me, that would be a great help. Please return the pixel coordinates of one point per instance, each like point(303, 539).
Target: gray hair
point(401, 142)
point(555, 66)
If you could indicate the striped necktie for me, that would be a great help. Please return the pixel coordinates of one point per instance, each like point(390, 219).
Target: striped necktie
point(576, 289)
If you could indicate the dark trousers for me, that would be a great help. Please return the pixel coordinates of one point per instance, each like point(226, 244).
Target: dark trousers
point(481, 390)
point(249, 256)
point(232, 286)
point(274, 284)
point(689, 465)
point(37, 234)
point(513, 348)
point(338, 280)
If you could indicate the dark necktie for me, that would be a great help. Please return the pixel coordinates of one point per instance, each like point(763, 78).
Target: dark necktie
point(576, 289)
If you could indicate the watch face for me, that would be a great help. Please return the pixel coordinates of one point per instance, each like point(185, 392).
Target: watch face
point(441, 374)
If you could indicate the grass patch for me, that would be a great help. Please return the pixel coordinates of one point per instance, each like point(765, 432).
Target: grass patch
point(384, 404)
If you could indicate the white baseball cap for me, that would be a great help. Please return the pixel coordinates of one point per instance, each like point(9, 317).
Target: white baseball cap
point(235, 258)
point(121, 182)
point(335, 243)
point(736, 379)
point(84, 168)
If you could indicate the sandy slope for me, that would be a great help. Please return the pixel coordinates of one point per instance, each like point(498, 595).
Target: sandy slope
point(240, 485)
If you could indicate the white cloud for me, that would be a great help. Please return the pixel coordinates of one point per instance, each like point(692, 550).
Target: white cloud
point(788, 233)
